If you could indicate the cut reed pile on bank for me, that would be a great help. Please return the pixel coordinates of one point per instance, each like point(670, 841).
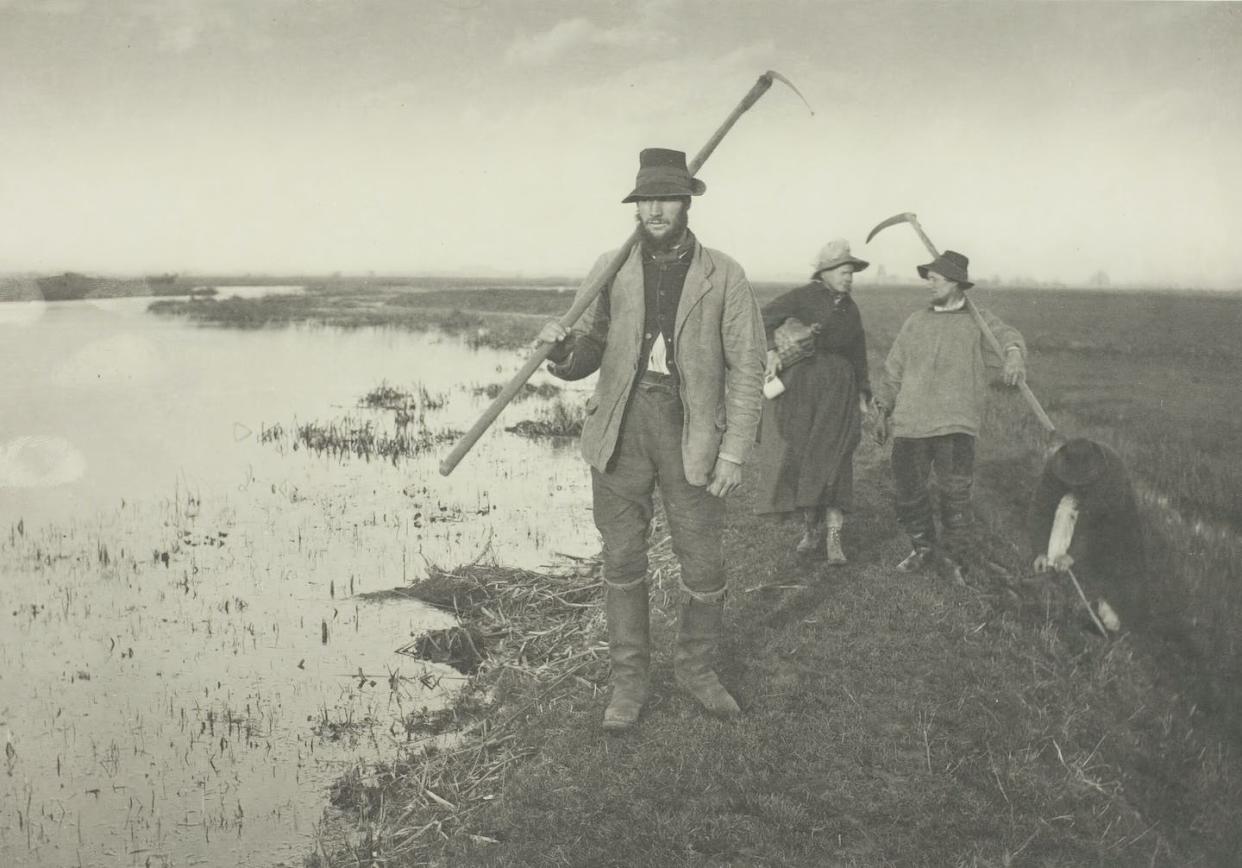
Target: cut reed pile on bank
point(530, 638)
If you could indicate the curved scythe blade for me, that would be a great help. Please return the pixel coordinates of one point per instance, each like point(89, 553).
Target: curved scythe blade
point(907, 217)
point(773, 74)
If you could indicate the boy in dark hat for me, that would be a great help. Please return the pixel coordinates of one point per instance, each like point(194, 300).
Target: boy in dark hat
point(931, 400)
point(679, 345)
point(1084, 515)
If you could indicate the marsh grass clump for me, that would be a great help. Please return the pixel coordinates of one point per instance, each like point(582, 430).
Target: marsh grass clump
point(560, 419)
point(429, 400)
point(386, 397)
point(529, 301)
point(497, 318)
point(336, 725)
point(349, 437)
point(271, 433)
point(246, 313)
point(547, 391)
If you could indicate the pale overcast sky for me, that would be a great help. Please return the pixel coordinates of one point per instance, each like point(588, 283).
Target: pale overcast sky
point(1042, 139)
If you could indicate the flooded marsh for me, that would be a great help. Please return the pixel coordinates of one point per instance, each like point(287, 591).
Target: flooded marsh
point(195, 646)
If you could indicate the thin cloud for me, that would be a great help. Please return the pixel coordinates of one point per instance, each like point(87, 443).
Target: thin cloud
point(181, 26)
point(574, 34)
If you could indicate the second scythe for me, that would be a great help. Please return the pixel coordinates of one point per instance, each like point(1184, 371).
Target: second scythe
point(1031, 400)
point(988, 335)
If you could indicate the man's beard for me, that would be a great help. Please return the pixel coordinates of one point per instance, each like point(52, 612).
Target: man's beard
point(677, 229)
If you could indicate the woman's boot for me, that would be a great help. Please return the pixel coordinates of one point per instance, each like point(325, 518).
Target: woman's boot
point(698, 637)
point(812, 543)
point(629, 647)
point(832, 542)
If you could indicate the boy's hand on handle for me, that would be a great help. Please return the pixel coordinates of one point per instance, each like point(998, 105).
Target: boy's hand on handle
point(726, 478)
point(1015, 367)
point(881, 428)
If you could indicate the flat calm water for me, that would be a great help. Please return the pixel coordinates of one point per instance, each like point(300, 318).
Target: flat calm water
point(186, 663)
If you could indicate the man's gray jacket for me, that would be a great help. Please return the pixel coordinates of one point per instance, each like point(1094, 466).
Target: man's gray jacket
point(719, 350)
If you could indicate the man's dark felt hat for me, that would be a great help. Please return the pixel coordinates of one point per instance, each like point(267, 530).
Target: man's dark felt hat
point(662, 174)
point(950, 264)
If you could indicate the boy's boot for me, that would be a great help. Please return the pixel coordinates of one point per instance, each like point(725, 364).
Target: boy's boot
point(922, 554)
point(959, 541)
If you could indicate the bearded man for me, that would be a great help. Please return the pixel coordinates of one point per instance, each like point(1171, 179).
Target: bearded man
point(678, 342)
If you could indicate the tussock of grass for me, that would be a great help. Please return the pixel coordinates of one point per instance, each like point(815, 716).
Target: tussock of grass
point(347, 437)
point(560, 419)
point(546, 391)
point(386, 397)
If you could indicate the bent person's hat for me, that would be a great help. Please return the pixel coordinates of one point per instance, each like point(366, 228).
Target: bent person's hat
point(662, 174)
point(950, 264)
point(1078, 462)
point(833, 254)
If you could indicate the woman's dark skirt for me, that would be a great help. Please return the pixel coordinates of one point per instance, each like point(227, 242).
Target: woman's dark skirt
point(807, 438)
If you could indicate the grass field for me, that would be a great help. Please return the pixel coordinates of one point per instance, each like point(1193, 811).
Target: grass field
point(889, 720)
point(1157, 377)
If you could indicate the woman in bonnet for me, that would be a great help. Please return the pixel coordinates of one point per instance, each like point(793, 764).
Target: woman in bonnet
point(811, 428)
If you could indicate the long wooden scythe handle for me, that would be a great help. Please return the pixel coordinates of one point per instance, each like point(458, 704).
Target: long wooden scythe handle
point(588, 293)
point(988, 334)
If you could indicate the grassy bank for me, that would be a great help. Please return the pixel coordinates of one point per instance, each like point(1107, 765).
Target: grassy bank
point(888, 720)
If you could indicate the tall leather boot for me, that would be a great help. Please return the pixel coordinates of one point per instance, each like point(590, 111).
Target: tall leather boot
point(629, 647)
point(698, 636)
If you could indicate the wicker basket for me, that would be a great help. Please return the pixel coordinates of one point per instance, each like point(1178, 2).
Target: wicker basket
point(795, 341)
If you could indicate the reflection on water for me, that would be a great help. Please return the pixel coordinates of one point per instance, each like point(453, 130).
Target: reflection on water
point(184, 668)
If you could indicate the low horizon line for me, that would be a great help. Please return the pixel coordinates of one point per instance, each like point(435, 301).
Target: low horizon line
point(1224, 285)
